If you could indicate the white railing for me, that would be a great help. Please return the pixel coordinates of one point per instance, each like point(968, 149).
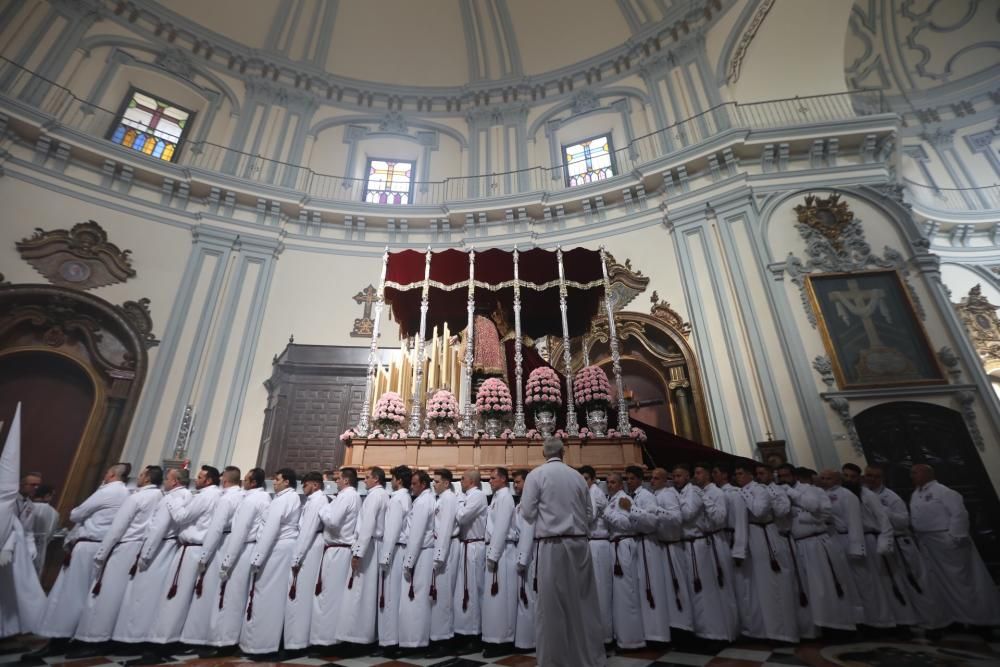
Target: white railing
point(958, 200)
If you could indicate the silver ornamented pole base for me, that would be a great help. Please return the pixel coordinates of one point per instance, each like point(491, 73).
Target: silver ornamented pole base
point(520, 428)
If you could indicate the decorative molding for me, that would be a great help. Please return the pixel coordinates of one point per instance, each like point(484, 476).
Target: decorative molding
point(835, 243)
point(584, 101)
point(364, 325)
point(176, 62)
point(626, 283)
point(822, 365)
point(967, 405)
point(736, 60)
point(979, 317)
point(950, 361)
point(138, 315)
point(81, 257)
point(842, 407)
point(661, 310)
point(393, 121)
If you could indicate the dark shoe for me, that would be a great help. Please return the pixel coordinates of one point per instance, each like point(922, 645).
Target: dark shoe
point(466, 644)
point(262, 657)
point(216, 652)
point(86, 650)
point(439, 650)
point(495, 650)
point(49, 649)
point(150, 658)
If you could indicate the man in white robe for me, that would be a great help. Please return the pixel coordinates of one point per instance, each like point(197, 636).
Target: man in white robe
point(823, 600)
point(908, 569)
point(271, 568)
point(600, 551)
point(555, 500)
point(625, 598)
point(359, 609)
point(470, 516)
point(715, 615)
point(306, 558)
point(192, 520)
point(769, 568)
point(500, 586)
point(24, 504)
point(340, 520)
point(45, 524)
point(446, 563)
point(733, 543)
point(875, 585)
point(115, 563)
point(846, 534)
point(144, 593)
point(960, 582)
point(670, 534)
point(92, 518)
point(22, 600)
point(524, 625)
point(233, 560)
point(650, 558)
point(418, 566)
point(394, 539)
point(197, 625)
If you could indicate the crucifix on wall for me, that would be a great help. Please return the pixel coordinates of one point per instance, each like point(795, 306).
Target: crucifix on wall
point(363, 325)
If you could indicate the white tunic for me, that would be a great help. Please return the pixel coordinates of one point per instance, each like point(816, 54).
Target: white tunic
point(446, 565)
point(875, 585)
point(600, 556)
point(22, 600)
point(193, 520)
point(69, 594)
point(731, 544)
point(145, 592)
point(680, 596)
point(626, 600)
point(340, 520)
point(391, 566)
point(651, 561)
point(306, 558)
point(358, 611)
point(234, 558)
point(43, 527)
point(848, 537)
point(418, 565)
point(500, 586)
point(959, 579)
point(272, 561)
point(470, 516)
point(567, 632)
point(715, 615)
point(198, 624)
point(524, 626)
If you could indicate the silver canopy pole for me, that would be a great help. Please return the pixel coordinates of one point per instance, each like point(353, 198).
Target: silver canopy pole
point(572, 427)
point(364, 423)
point(418, 378)
point(624, 426)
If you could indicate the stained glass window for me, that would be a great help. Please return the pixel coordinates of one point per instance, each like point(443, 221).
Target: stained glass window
point(150, 125)
point(589, 161)
point(388, 182)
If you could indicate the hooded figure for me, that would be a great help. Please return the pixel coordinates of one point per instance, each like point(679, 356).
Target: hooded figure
point(22, 600)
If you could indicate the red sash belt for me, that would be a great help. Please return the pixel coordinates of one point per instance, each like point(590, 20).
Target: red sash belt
point(465, 571)
point(100, 576)
point(319, 579)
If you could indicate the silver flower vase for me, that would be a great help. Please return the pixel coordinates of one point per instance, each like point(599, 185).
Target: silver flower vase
point(597, 421)
point(492, 426)
point(545, 421)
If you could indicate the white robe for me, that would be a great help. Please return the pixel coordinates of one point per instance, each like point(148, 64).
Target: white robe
point(44, 526)
point(446, 552)
point(272, 559)
point(229, 612)
point(772, 579)
point(192, 520)
point(651, 562)
point(340, 519)
point(198, 624)
point(146, 591)
point(120, 550)
point(567, 631)
point(823, 574)
point(733, 542)
point(676, 563)
point(22, 600)
point(626, 599)
point(470, 515)
point(306, 558)
point(524, 626)
point(418, 560)
point(391, 566)
point(68, 597)
point(358, 611)
point(958, 578)
point(600, 556)
point(500, 585)
point(703, 512)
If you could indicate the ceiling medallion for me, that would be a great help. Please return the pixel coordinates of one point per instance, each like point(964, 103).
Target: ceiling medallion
point(81, 258)
point(830, 217)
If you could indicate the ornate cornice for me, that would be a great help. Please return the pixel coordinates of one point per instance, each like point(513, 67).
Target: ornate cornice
point(739, 53)
point(981, 322)
point(81, 257)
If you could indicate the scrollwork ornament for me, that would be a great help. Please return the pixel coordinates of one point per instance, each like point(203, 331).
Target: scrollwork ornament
point(822, 365)
point(967, 402)
point(949, 360)
point(842, 407)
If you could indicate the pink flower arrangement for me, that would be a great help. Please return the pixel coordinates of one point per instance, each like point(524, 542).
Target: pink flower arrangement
point(390, 411)
point(442, 406)
point(493, 398)
point(543, 389)
point(591, 388)
point(348, 435)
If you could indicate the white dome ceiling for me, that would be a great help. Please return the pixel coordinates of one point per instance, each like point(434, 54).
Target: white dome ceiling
point(431, 42)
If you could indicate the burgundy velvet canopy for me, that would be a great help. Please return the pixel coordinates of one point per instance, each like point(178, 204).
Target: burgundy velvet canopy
point(538, 271)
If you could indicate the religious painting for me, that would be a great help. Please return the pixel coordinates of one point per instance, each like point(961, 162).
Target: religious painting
point(871, 330)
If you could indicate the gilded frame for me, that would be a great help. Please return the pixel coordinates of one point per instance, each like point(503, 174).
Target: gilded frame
point(841, 329)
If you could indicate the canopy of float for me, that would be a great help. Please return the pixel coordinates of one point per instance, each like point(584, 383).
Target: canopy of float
point(538, 273)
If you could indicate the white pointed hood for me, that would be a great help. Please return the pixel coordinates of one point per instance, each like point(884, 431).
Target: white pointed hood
point(10, 475)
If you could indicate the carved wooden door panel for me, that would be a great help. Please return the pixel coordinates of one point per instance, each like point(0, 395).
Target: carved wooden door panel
point(901, 434)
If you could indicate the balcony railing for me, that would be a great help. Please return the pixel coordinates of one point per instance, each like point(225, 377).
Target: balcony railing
point(23, 87)
point(959, 200)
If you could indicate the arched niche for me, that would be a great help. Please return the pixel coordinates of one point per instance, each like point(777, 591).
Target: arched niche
point(99, 350)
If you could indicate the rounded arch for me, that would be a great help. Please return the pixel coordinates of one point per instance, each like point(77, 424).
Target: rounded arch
point(422, 124)
point(615, 91)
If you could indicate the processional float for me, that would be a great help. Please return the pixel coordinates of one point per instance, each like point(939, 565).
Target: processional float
point(562, 290)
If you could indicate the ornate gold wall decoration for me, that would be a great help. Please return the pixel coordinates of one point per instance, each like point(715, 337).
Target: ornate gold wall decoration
point(363, 325)
point(980, 319)
point(661, 310)
point(830, 217)
point(81, 258)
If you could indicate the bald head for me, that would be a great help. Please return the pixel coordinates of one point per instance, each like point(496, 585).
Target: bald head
point(921, 474)
point(828, 478)
point(660, 479)
point(471, 479)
